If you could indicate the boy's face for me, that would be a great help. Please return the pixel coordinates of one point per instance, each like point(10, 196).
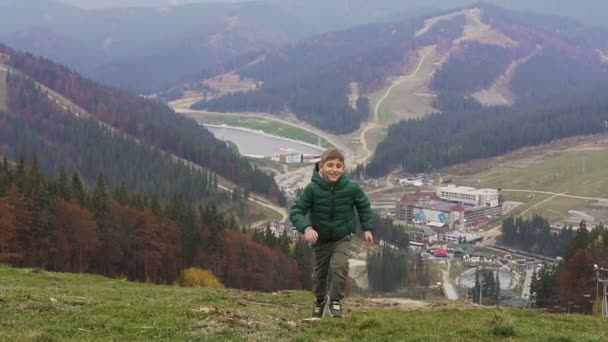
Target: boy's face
point(332, 170)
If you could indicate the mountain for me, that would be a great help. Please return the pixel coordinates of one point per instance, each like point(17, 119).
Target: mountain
point(540, 82)
point(68, 120)
point(149, 49)
point(474, 57)
point(313, 78)
point(121, 46)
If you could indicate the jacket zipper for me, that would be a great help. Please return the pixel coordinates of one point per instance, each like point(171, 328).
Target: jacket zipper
point(332, 211)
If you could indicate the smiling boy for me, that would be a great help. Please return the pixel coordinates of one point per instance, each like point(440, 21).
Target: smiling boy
point(330, 199)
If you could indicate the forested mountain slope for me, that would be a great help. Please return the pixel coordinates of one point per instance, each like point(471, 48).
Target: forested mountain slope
point(134, 156)
point(478, 46)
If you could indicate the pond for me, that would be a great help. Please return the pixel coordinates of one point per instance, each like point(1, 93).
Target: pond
point(257, 143)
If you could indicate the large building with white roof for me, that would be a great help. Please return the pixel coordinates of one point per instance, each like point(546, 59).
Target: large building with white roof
point(468, 195)
point(451, 207)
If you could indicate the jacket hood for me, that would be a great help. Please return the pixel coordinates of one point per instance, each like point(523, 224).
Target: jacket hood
point(317, 178)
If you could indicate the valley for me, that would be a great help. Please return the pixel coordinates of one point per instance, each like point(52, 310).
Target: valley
point(478, 133)
point(407, 95)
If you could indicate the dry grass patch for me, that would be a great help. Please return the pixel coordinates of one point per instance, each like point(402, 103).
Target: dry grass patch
point(476, 30)
point(230, 83)
point(499, 93)
point(429, 23)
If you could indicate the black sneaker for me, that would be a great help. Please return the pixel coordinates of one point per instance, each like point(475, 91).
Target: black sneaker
point(319, 310)
point(335, 309)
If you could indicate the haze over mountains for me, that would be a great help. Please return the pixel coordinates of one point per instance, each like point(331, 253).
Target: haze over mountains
point(474, 47)
point(121, 46)
point(479, 56)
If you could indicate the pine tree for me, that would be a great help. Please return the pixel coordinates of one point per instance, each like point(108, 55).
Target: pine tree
point(63, 188)
point(120, 194)
point(20, 175)
point(77, 190)
point(155, 206)
point(100, 203)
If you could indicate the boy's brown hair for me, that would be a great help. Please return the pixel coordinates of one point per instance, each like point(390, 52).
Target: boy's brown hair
point(332, 153)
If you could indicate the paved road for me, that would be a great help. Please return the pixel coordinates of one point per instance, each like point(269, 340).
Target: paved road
point(525, 292)
point(448, 288)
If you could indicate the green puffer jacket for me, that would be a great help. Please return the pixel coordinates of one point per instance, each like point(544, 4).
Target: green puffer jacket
point(331, 208)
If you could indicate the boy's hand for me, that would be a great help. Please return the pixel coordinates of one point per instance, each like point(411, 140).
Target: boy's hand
point(369, 238)
point(311, 235)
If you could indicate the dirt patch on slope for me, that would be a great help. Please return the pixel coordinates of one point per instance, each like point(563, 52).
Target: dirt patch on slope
point(476, 30)
point(230, 83)
point(430, 22)
point(499, 93)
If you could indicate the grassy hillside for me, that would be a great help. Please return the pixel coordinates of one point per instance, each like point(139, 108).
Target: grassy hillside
point(572, 166)
point(42, 306)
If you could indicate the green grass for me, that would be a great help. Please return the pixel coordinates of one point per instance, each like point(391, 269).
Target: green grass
point(43, 306)
point(457, 267)
point(558, 173)
point(374, 137)
point(268, 126)
point(404, 101)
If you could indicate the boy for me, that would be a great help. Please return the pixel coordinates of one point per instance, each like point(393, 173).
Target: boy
point(331, 198)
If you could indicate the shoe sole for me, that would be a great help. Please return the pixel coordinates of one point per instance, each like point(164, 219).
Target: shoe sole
point(311, 319)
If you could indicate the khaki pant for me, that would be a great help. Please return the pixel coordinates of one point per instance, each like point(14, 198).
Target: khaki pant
point(331, 268)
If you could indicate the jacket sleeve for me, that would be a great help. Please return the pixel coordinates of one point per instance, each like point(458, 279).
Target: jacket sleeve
point(364, 209)
point(299, 210)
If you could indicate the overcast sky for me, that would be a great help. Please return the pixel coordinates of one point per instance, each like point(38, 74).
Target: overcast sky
point(135, 3)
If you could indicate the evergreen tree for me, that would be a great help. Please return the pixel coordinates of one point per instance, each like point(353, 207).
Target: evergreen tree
point(120, 194)
point(62, 184)
point(100, 203)
point(77, 190)
point(155, 207)
point(580, 240)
